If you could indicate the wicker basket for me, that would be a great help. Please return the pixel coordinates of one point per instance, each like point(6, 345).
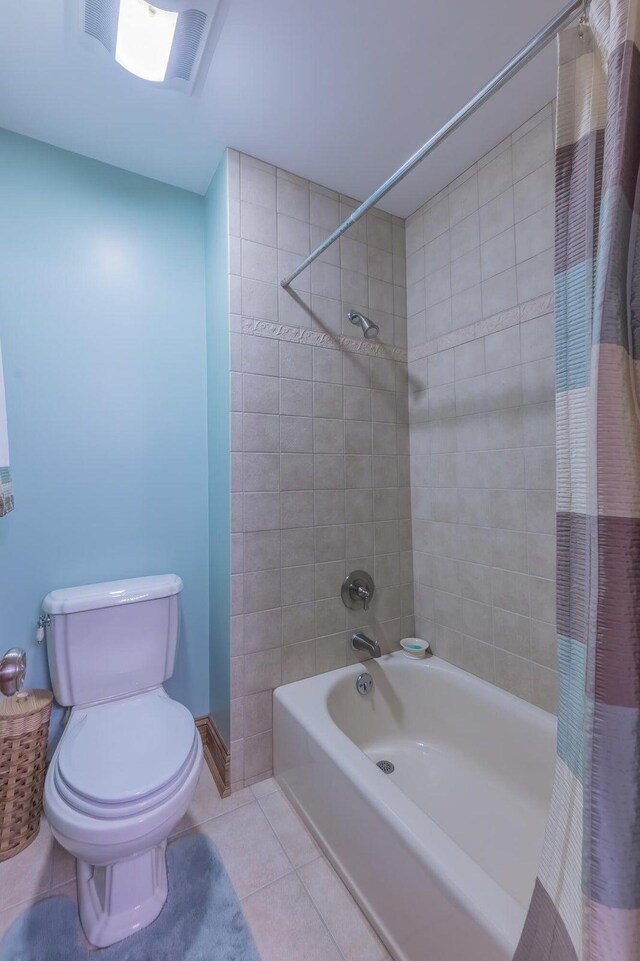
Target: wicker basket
point(24, 727)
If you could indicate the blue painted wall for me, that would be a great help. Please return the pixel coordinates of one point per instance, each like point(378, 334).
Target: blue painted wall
point(102, 325)
point(216, 259)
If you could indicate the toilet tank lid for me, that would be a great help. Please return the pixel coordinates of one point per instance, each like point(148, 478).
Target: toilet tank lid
point(91, 597)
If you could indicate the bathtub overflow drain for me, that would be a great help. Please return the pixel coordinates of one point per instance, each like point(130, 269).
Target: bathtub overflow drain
point(386, 767)
point(364, 683)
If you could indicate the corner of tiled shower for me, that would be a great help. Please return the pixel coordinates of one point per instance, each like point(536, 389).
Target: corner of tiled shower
point(343, 456)
point(482, 411)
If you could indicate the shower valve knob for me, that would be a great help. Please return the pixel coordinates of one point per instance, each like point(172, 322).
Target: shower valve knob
point(357, 590)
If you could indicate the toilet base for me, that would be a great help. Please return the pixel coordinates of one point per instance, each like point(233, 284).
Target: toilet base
point(116, 900)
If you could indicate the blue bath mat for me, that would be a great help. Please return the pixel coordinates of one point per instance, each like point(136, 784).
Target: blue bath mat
point(201, 921)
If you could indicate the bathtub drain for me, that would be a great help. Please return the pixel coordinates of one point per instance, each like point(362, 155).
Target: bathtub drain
point(386, 767)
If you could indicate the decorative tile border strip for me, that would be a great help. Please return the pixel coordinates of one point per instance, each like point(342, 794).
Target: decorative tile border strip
point(315, 338)
point(490, 325)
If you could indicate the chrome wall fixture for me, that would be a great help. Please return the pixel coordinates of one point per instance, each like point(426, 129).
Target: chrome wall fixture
point(357, 590)
point(527, 53)
point(13, 667)
point(366, 645)
point(369, 329)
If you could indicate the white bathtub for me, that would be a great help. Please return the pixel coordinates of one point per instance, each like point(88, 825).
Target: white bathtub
point(442, 853)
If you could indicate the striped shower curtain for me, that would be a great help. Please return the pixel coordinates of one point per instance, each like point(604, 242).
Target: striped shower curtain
point(586, 902)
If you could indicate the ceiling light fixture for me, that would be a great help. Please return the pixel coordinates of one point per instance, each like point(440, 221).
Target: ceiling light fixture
point(144, 39)
point(169, 43)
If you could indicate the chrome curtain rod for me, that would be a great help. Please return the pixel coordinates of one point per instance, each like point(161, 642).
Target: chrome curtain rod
point(527, 53)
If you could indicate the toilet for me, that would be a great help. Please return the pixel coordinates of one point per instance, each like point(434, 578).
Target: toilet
point(129, 758)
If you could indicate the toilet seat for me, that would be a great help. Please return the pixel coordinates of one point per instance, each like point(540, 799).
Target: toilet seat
point(143, 805)
point(123, 758)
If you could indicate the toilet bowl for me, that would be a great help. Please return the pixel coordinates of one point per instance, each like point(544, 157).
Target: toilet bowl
point(127, 764)
point(120, 781)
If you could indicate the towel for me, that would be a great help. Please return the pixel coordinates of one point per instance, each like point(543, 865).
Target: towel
point(6, 490)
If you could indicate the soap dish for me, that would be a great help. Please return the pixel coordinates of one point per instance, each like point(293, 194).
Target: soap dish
point(415, 648)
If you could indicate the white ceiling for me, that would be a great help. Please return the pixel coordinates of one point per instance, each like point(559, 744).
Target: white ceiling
point(340, 91)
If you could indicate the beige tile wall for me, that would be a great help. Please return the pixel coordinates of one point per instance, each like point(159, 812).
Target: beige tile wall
point(320, 441)
point(322, 480)
point(481, 393)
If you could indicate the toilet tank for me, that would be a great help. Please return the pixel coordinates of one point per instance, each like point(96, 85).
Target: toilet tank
point(112, 639)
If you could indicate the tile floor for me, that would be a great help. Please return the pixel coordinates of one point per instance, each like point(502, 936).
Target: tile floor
point(297, 907)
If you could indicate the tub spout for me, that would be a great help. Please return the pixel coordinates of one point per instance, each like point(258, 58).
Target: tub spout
point(360, 642)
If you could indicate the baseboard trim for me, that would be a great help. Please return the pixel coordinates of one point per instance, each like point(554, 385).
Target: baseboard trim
point(216, 754)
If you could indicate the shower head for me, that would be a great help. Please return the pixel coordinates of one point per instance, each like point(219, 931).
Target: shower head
point(369, 329)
